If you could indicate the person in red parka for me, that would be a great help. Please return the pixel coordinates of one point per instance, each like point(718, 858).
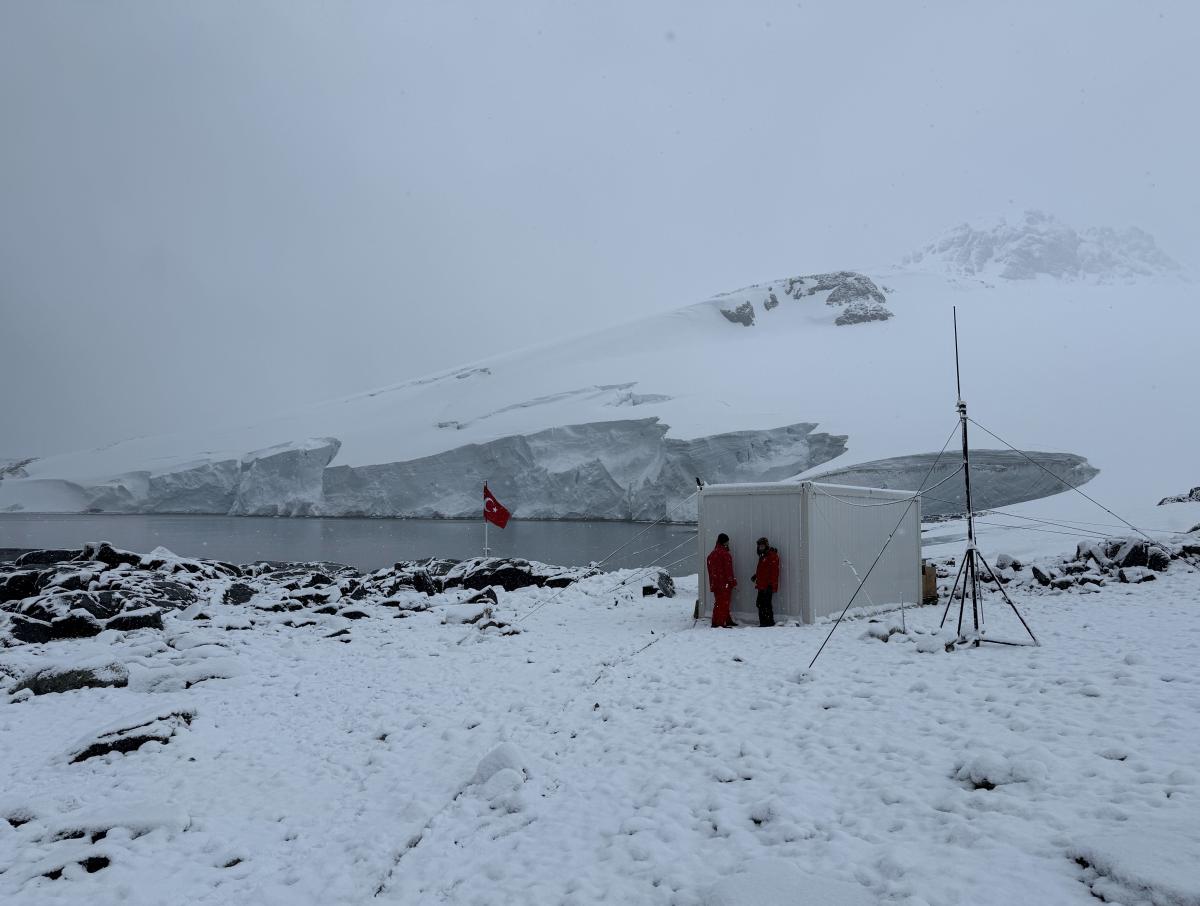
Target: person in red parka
point(766, 580)
point(721, 581)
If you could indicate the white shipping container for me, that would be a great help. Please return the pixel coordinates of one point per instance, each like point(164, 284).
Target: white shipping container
point(827, 536)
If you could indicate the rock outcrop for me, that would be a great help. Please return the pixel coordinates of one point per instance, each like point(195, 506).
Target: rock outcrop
point(1192, 496)
point(743, 314)
point(856, 297)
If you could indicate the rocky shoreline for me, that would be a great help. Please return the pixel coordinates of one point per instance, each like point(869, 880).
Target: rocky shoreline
point(52, 595)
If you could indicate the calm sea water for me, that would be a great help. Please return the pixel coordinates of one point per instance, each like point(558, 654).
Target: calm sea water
point(362, 543)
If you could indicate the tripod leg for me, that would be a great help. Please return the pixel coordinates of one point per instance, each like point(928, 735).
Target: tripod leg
point(975, 594)
point(962, 602)
point(953, 589)
point(1004, 594)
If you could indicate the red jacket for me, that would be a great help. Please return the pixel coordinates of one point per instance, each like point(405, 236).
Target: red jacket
point(767, 573)
point(720, 570)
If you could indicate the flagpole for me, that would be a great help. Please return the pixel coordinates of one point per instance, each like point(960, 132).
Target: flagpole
point(486, 552)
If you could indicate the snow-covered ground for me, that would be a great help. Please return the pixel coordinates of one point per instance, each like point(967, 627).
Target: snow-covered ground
point(615, 752)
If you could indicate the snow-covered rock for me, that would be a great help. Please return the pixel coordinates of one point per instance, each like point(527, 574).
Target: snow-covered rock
point(1192, 496)
point(69, 677)
point(1151, 862)
point(159, 725)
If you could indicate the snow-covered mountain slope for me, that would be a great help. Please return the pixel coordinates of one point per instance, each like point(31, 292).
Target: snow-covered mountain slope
point(618, 423)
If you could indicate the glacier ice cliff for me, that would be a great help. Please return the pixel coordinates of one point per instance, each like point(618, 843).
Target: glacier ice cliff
point(602, 470)
point(622, 469)
point(998, 477)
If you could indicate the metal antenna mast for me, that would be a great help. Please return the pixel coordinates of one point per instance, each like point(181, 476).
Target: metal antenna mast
point(968, 570)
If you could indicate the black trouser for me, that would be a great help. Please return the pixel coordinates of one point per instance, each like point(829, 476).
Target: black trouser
point(766, 615)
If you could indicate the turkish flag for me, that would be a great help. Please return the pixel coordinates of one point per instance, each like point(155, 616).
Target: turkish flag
point(494, 511)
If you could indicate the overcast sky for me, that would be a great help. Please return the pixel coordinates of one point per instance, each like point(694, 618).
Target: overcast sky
point(211, 210)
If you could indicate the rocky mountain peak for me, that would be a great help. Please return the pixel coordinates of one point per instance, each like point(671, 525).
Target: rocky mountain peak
point(1039, 244)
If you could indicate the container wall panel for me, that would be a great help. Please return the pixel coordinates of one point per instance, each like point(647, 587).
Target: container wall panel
point(847, 527)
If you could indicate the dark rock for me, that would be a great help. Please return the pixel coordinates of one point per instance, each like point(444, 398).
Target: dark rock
point(511, 574)
point(353, 614)
point(1041, 577)
point(100, 605)
point(1062, 582)
point(1158, 559)
point(168, 593)
point(19, 585)
point(48, 557)
point(64, 580)
point(60, 679)
point(108, 555)
point(1132, 553)
point(487, 596)
point(283, 572)
point(772, 301)
point(426, 583)
point(148, 618)
point(78, 624)
point(33, 632)
point(327, 610)
point(238, 593)
point(1005, 561)
point(742, 314)
point(665, 584)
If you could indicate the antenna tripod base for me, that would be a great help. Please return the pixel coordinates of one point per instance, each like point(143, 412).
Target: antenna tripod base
point(970, 580)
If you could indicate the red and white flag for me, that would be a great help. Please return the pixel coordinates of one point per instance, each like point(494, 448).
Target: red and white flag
point(494, 511)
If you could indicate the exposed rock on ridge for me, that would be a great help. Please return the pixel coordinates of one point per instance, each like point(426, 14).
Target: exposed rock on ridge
point(856, 295)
